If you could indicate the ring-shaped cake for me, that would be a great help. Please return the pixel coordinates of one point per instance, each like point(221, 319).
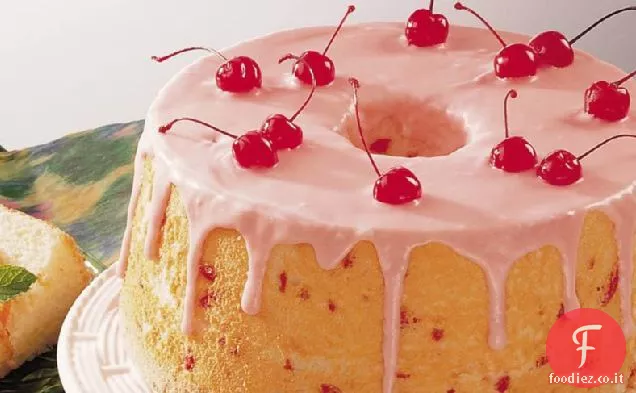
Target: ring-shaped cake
point(314, 286)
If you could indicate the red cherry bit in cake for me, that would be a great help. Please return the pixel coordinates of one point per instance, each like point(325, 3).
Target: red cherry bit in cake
point(327, 388)
point(189, 362)
point(208, 272)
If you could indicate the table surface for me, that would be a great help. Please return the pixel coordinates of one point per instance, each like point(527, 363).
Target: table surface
point(69, 65)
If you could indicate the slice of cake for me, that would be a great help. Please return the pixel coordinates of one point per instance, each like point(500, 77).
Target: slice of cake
point(30, 322)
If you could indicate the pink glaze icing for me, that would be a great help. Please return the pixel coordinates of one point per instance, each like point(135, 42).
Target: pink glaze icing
point(321, 193)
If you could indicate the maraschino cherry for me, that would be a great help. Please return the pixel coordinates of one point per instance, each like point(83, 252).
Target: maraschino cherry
point(554, 49)
point(562, 168)
point(251, 150)
point(608, 101)
point(514, 154)
point(425, 28)
point(240, 74)
point(395, 187)
point(322, 66)
point(513, 61)
point(282, 131)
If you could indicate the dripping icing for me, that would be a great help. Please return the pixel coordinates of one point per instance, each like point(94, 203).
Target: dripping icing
point(124, 252)
point(263, 236)
point(155, 214)
point(393, 289)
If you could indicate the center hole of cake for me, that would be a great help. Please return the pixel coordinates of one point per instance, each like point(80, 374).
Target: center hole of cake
point(406, 128)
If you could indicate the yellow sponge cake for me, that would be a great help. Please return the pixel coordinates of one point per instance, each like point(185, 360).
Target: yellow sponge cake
point(31, 321)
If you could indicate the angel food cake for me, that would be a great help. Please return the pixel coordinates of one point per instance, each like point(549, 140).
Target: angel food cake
point(31, 317)
point(387, 233)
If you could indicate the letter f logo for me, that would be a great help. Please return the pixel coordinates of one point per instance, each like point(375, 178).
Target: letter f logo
point(584, 348)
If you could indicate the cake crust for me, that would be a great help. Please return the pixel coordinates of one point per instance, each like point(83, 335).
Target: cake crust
point(324, 327)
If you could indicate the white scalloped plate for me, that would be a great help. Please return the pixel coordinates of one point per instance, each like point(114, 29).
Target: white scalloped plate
point(91, 353)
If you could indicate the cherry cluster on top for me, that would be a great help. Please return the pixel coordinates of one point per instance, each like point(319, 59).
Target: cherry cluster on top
point(242, 74)
point(603, 100)
point(258, 149)
point(560, 168)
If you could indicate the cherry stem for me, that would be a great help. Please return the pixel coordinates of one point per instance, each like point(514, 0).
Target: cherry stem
point(431, 5)
point(625, 79)
point(161, 59)
point(335, 33)
point(605, 142)
point(166, 127)
point(598, 22)
point(356, 85)
point(511, 94)
point(314, 84)
point(459, 6)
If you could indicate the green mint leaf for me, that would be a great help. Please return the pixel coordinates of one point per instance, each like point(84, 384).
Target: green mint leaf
point(13, 281)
